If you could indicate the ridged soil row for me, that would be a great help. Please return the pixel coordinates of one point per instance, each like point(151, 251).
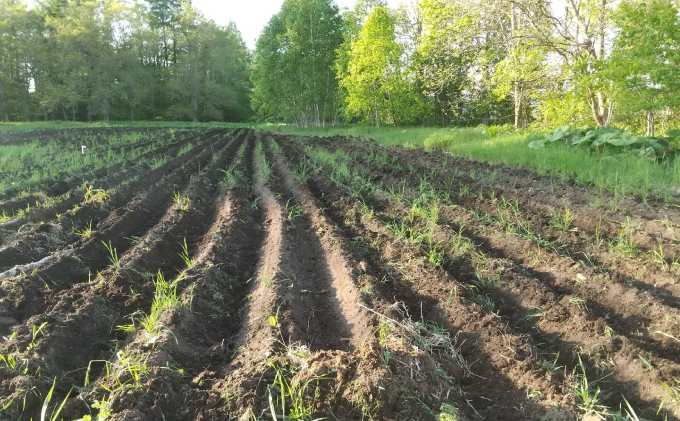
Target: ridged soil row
point(82, 261)
point(293, 285)
point(54, 226)
point(117, 292)
point(503, 364)
point(202, 337)
point(257, 338)
point(556, 253)
point(542, 195)
point(591, 232)
point(660, 311)
point(342, 282)
point(569, 302)
point(106, 178)
point(62, 181)
point(317, 286)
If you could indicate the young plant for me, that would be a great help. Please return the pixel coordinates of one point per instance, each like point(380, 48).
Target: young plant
point(93, 195)
point(86, 232)
point(183, 202)
point(562, 221)
point(113, 255)
point(589, 396)
point(185, 255)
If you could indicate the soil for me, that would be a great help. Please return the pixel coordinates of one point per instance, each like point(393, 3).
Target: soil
point(309, 294)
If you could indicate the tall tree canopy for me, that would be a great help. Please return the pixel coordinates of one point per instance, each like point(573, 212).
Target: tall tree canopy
point(292, 70)
point(111, 59)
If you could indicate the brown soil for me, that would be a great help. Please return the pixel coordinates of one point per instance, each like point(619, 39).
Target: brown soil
point(315, 288)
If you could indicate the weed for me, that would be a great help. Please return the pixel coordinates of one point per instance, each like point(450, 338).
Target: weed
point(624, 245)
point(93, 195)
point(659, 257)
point(537, 316)
point(301, 172)
point(46, 403)
point(579, 303)
point(113, 255)
point(448, 413)
point(232, 179)
point(185, 255)
point(85, 232)
point(463, 190)
point(673, 391)
point(293, 211)
point(265, 169)
point(183, 202)
point(647, 362)
point(158, 162)
point(589, 397)
point(562, 221)
point(186, 148)
point(295, 399)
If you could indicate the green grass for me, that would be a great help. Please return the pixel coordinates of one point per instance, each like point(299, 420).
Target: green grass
point(621, 173)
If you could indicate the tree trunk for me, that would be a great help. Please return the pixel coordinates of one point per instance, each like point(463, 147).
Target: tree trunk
point(600, 108)
point(194, 92)
point(650, 123)
point(105, 108)
point(394, 117)
point(519, 122)
point(3, 103)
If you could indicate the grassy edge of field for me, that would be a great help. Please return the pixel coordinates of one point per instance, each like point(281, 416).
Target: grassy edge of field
point(620, 173)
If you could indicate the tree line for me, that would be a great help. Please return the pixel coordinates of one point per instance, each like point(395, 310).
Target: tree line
point(429, 62)
point(121, 60)
point(460, 62)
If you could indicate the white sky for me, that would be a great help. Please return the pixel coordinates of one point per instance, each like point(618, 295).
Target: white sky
point(251, 15)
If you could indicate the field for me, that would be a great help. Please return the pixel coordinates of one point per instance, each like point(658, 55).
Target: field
point(226, 273)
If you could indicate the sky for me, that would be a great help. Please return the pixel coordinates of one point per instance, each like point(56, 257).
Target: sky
point(251, 15)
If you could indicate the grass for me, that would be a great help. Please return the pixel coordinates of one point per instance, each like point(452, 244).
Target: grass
point(113, 255)
point(619, 173)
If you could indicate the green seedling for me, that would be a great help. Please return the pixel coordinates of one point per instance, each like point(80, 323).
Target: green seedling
point(93, 195)
point(86, 232)
point(113, 255)
point(185, 255)
point(184, 202)
point(562, 221)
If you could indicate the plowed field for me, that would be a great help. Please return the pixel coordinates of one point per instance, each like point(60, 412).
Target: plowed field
point(258, 276)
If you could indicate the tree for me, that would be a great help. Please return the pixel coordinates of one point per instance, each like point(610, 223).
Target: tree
point(292, 70)
point(17, 30)
point(378, 87)
point(578, 37)
point(210, 80)
point(523, 70)
point(645, 65)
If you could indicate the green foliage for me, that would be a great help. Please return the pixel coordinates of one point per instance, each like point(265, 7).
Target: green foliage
point(377, 80)
point(644, 66)
point(71, 60)
point(618, 139)
point(292, 65)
